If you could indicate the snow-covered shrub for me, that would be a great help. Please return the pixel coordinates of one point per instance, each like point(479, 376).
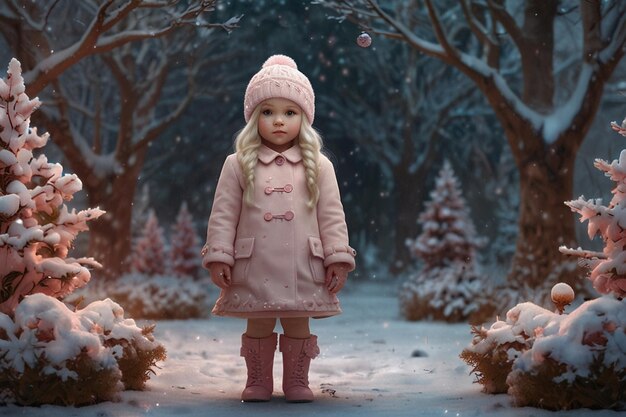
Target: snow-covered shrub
point(50, 354)
point(185, 246)
point(36, 227)
point(450, 286)
point(554, 361)
point(494, 350)
point(161, 297)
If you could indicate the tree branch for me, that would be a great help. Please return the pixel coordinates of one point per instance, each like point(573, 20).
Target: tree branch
point(507, 21)
point(94, 40)
point(590, 11)
point(451, 52)
point(415, 41)
point(489, 41)
point(151, 132)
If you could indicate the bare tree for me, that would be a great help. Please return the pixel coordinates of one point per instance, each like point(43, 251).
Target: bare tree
point(112, 95)
point(547, 119)
point(400, 121)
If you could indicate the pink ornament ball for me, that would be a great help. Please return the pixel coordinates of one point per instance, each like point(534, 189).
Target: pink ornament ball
point(364, 40)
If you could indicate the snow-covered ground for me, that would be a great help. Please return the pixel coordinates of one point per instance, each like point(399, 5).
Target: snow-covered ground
point(368, 367)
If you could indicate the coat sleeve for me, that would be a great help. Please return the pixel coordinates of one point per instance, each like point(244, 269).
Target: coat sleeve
point(331, 218)
point(224, 217)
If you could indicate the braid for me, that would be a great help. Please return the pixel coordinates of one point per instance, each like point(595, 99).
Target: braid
point(247, 145)
point(310, 144)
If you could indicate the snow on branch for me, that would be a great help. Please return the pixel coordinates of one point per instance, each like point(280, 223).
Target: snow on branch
point(608, 268)
point(583, 253)
point(111, 27)
point(490, 23)
point(37, 229)
point(619, 129)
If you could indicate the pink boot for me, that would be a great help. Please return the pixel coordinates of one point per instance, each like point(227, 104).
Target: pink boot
point(297, 355)
point(259, 356)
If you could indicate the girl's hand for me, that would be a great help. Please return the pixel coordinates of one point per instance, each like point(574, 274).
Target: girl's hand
point(336, 276)
point(220, 274)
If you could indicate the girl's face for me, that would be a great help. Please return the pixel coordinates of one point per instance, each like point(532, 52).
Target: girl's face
point(279, 123)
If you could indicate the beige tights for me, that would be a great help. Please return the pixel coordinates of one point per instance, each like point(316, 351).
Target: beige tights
point(294, 327)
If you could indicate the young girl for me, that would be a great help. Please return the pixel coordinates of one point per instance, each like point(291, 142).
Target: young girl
point(277, 241)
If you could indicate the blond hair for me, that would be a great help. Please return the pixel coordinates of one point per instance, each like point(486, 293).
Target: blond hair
point(248, 141)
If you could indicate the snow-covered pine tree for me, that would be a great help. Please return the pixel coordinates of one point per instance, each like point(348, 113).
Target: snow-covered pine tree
point(448, 234)
point(49, 353)
point(185, 245)
point(149, 251)
point(448, 287)
point(608, 268)
point(36, 227)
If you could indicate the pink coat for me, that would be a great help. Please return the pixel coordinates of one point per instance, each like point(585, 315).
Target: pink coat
point(278, 248)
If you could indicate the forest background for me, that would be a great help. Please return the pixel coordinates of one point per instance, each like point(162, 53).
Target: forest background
point(389, 116)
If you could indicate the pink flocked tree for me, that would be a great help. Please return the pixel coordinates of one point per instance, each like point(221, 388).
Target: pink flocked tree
point(608, 268)
point(149, 251)
point(36, 228)
point(51, 353)
point(185, 245)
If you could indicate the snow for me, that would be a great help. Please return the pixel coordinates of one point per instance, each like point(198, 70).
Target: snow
point(43, 314)
point(561, 119)
point(562, 292)
point(7, 158)
point(9, 204)
point(366, 369)
point(573, 338)
point(552, 125)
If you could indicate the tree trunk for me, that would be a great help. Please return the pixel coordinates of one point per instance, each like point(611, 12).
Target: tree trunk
point(110, 236)
point(545, 222)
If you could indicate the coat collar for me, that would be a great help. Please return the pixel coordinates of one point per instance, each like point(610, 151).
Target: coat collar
point(267, 155)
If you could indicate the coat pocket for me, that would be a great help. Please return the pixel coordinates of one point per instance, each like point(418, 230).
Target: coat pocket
point(316, 259)
point(243, 254)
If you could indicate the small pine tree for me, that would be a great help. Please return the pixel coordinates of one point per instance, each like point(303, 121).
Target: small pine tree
point(448, 234)
point(36, 227)
point(185, 245)
point(149, 251)
point(449, 286)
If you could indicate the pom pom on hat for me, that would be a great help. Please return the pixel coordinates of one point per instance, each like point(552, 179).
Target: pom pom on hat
point(279, 78)
point(280, 60)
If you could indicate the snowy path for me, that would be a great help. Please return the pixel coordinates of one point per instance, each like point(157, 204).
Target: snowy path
point(366, 368)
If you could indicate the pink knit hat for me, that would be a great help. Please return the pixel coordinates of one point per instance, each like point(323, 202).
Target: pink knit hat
point(279, 77)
